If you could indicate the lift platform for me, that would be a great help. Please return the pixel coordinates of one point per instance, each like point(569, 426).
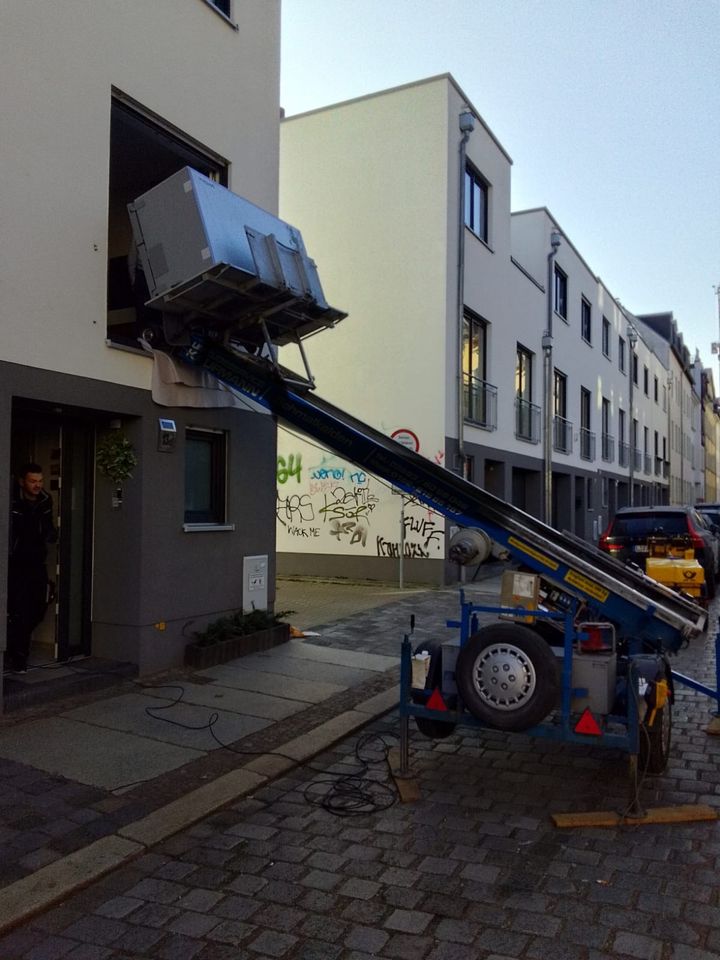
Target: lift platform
point(232, 283)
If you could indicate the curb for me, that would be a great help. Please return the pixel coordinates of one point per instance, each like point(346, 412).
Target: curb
point(24, 899)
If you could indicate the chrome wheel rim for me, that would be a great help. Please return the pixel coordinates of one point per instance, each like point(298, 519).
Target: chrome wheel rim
point(504, 677)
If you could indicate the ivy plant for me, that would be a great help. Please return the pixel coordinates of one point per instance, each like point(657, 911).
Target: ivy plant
point(115, 456)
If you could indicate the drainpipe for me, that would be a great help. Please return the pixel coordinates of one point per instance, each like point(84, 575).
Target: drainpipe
point(466, 122)
point(547, 347)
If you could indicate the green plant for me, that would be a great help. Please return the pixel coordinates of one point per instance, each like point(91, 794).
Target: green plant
point(115, 456)
point(237, 624)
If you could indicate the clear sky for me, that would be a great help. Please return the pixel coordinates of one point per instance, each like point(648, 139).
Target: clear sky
point(610, 110)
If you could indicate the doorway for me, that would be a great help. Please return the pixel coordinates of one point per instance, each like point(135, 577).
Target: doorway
point(64, 447)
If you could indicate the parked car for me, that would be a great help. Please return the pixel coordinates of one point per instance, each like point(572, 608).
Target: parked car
point(630, 533)
point(711, 512)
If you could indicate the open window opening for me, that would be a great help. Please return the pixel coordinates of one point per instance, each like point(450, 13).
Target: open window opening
point(144, 151)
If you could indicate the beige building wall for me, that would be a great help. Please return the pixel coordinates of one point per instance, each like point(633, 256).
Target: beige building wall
point(54, 149)
point(367, 182)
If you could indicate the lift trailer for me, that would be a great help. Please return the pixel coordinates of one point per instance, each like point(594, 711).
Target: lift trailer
point(231, 282)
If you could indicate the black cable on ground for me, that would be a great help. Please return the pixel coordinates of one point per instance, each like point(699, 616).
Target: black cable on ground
point(344, 795)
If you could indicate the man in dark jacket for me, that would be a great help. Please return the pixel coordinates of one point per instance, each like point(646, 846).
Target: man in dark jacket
point(31, 529)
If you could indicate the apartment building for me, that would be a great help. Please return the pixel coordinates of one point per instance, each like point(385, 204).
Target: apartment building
point(100, 101)
point(477, 336)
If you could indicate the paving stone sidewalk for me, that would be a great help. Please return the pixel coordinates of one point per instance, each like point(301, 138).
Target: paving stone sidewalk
point(474, 870)
point(45, 817)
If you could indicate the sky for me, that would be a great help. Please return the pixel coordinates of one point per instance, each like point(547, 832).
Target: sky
point(610, 110)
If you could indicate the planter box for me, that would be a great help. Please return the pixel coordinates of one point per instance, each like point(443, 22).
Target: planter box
point(200, 657)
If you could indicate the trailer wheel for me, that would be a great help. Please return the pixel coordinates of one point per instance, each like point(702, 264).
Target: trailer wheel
point(655, 741)
point(428, 726)
point(508, 677)
point(435, 729)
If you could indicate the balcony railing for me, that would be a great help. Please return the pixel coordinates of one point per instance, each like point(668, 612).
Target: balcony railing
point(623, 454)
point(658, 466)
point(527, 420)
point(666, 469)
point(647, 463)
point(637, 459)
point(608, 447)
point(480, 402)
point(562, 435)
point(587, 444)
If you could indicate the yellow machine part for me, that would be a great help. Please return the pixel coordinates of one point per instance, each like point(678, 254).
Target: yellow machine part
point(677, 574)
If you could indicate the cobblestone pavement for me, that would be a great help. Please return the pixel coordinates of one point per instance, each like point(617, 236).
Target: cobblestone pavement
point(45, 817)
point(474, 870)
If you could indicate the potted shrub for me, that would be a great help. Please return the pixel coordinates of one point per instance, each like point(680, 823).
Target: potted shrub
point(235, 635)
point(116, 459)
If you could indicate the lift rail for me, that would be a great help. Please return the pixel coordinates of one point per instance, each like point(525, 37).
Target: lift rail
point(639, 607)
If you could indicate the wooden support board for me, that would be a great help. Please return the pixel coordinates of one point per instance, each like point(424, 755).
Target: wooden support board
point(684, 813)
point(407, 786)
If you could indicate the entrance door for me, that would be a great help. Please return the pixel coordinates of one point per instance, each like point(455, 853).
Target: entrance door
point(63, 447)
point(75, 543)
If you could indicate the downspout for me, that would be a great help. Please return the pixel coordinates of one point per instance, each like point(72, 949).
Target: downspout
point(466, 122)
point(547, 348)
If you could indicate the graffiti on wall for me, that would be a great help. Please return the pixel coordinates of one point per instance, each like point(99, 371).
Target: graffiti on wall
point(335, 502)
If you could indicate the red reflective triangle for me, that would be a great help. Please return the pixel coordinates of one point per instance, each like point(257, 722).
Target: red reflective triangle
point(588, 724)
point(436, 701)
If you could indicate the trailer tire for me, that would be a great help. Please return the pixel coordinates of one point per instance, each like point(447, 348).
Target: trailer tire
point(508, 677)
point(435, 729)
point(654, 750)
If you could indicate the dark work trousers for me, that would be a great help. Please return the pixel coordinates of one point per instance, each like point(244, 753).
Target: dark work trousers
point(27, 602)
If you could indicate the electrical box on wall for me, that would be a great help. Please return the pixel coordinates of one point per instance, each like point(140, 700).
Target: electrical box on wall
point(167, 435)
point(255, 574)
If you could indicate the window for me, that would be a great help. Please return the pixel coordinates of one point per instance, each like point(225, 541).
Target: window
point(585, 408)
point(479, 397)
point(523, 374)
point(144, 151)
point(222, 5)
point(635, 368)
point(476, 203)
point(205, 462)
point(527, 424)
point(560, 292)
point(646, 381)
point(607, 440)
point(621, 354)
point(656, 390)
point(587, 437)
point(560, 394)
point(606, 337)
point(585, 320)
point(562, 428)
point(623, 445)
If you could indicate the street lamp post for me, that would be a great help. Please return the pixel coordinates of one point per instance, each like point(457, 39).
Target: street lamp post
point(632, 337)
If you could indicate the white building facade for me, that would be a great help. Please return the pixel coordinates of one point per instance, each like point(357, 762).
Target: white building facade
point(466, 324)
